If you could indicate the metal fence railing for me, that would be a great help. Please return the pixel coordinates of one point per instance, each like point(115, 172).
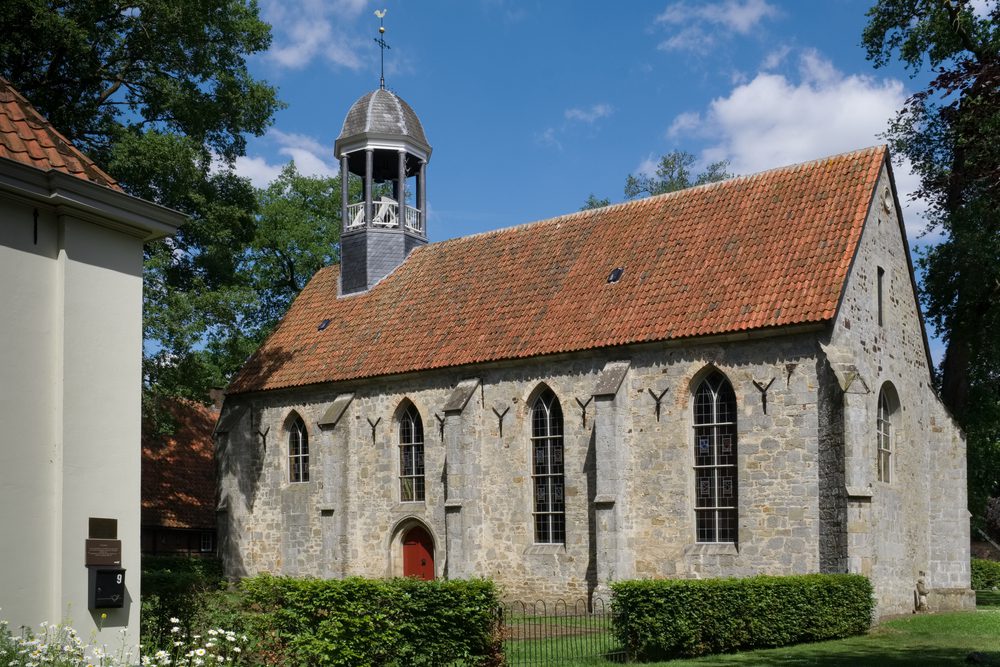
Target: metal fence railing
point(546, 634)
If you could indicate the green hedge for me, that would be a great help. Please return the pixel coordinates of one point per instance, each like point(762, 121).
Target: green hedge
point(669, 618)
point(376, 622)
point(985, 574)
point(171, 588)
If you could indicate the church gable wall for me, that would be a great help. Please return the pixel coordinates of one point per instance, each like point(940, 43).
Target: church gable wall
point(894, 526)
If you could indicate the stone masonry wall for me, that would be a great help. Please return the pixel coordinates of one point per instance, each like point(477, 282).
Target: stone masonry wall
point(896, 530)
point(352, 522)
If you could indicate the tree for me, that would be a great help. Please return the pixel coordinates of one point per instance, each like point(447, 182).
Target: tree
point(594, 202)
point(158, 93)
point(674, 173)
point(949, 131)
point(298, 232)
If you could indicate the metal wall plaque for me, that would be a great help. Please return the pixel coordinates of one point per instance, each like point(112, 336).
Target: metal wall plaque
point(103, 552)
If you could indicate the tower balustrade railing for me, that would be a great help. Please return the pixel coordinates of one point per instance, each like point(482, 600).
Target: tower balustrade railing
point(385, 215)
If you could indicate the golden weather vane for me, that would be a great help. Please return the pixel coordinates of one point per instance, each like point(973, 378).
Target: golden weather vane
point(380, 13)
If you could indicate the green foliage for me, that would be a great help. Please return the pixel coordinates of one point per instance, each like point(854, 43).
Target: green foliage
point(673, 173)
point(594, 202)
point(668, 618)
point(175, 587)
point(948, 133)
point(98, 68)
point(985, 574)
point(354, 622)
point(298, 232)
point(158, 93)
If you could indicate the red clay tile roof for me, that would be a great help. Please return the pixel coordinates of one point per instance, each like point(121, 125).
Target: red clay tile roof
point(767, 250)
point(178, 472)
point(27, 137)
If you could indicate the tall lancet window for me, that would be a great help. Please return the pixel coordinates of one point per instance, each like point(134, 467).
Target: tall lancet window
point(411, 456)
point(715, 460)
point(885, 426)
point(548, 469)
point(298, 451)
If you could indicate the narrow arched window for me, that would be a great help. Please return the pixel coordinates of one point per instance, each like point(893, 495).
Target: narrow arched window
point(298, 451)
point(715, 460)
point(886, 431)
point(411, 456)
point(548, 469)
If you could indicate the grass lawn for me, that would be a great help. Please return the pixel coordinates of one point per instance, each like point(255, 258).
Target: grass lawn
point(932, 639)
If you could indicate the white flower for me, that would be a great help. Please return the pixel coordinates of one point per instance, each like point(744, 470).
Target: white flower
point(174, 619)
point(199, 652)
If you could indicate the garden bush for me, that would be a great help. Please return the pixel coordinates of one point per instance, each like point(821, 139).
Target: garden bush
point(175, 587)
point(375, 622)
point(669, 618)
point(985, 574)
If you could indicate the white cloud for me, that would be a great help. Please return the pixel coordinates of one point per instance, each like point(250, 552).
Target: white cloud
point(771, 121)
point(683, 123)
point(775, 58)
point(590, 115)
point(647, 167)
point(310, 156)
point(982, 8)
point(548, 138)
point(700, 23)
point(306, 30)
point(257, 169)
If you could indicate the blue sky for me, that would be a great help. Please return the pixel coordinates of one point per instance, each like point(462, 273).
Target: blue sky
point(532, 106)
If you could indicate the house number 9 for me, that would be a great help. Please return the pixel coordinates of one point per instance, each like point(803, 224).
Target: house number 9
point(119, 579)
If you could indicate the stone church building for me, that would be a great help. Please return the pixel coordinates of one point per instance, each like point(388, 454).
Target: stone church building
point(724, 381)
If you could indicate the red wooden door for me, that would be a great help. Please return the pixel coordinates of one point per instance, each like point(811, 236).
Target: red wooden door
point(418, 554)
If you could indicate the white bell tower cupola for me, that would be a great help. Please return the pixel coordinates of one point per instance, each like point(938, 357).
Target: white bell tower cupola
point(383, 143)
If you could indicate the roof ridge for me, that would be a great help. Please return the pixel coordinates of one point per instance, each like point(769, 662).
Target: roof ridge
point(581, 215)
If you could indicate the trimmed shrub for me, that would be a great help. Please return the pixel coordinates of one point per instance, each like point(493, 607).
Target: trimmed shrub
point(374, 622)
point(670, 618)
point(985, 574)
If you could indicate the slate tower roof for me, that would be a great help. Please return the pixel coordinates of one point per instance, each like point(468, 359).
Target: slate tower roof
point(382, 112)
point(750, 253)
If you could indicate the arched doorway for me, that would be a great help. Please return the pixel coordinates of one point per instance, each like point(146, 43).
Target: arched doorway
point(418, 554)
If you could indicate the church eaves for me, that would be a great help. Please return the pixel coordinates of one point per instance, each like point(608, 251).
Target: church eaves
point(755, 252)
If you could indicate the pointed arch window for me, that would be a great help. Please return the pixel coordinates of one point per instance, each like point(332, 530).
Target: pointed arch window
point(885, 421)
point(715, 460)
point(411, 456)
point(548, 469)
point(298, 451)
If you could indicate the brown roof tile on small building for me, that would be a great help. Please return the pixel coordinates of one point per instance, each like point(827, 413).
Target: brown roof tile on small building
point(755, 252)
point(178, 471)
point(27, 137)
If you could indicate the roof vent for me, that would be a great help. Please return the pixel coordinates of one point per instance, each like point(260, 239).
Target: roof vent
point(616, 275)
point(322, 325)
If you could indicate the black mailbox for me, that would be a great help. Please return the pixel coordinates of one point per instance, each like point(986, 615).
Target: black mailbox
point(107, 587)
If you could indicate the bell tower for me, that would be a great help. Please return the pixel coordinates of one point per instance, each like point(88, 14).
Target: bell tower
point(382, 142)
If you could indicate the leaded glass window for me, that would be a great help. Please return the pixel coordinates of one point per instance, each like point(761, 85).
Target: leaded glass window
point(884, 428)
point(715, 483)
point(548, 469)
point(298, 452)
point(411, 456)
